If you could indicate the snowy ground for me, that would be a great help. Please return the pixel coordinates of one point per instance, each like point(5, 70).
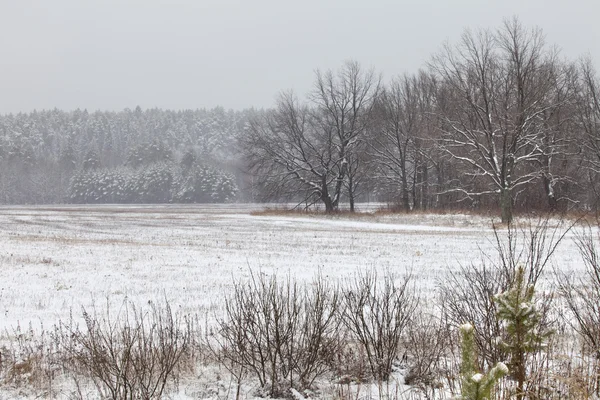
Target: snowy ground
point(54, 259)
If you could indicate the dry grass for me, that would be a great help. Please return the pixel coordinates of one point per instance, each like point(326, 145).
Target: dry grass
point(14, 259)
point(521, 218)
point(80, 241)
point(279, 211)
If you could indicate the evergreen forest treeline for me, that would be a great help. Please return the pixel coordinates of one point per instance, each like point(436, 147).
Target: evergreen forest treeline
point(132, 156)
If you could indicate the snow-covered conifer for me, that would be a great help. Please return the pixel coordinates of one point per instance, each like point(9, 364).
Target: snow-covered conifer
point(476, 385)
point(524, 333)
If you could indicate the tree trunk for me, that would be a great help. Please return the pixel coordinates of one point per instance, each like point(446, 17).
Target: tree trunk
point(424, 189)
point(405, 198)
point(325, 198)
point(506, 205)
point(329, 208)
point(351, 189)
point(420, 198)
point(549, 189)
point(520, 382)
point(440, 200)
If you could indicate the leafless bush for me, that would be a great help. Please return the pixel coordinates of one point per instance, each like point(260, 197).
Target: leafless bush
point(320, 339)
point(132, 355)
point(531, 244)
point(426, 343)
point(284, 334)
point(30, 359)
point(377, 313)
point(351, 365)
point(469, 294)
point(582, 298)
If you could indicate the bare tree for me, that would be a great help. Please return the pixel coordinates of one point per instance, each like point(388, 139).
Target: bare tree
point(397, 141)
point(290, 157)
point(499, 87)
point(562, 159)
point(588, 112)
point(344, 102)
point(314, 149)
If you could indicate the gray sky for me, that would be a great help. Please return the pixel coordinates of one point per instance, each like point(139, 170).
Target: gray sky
point(112, 54)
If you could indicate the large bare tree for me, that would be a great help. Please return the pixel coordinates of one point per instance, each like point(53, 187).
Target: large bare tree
point(289, 156)
point(399, 137)
point(343, 103)
point(314, 149)
point(588, 112)
point(558, 161)
point(500, 86)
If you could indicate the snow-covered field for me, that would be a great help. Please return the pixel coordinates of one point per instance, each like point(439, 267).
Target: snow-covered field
point(57, 259)
point(53, 259)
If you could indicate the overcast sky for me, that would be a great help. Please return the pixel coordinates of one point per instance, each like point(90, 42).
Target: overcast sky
point(112, 54)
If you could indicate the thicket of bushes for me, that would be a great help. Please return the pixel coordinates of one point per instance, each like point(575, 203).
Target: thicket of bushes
point(349, 338)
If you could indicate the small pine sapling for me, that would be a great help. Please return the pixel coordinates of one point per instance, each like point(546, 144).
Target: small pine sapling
point(524, 333)
point(475, 385)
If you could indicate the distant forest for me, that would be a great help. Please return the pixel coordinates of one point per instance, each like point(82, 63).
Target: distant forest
point(496, 121)
point(132, 156)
